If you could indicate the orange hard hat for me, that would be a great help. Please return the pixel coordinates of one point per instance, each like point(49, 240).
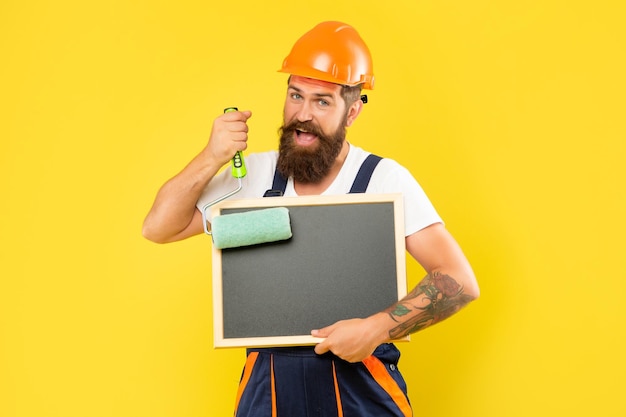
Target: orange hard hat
point(333, 52)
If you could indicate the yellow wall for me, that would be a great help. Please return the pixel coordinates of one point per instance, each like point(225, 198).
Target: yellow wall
point(510, 114)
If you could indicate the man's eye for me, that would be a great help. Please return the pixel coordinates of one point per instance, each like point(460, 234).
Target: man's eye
point(323, 103)
point(296, 96)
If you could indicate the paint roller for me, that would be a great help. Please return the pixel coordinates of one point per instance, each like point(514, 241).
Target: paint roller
point(246, 228)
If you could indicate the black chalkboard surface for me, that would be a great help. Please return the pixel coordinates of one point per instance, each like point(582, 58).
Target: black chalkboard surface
point(346, 259)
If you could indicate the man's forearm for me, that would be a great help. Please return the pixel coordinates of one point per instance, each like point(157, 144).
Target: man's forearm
point(435, 298)
point(175, 204)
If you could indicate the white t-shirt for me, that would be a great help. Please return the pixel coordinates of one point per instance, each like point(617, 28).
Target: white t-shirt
point(388, 177)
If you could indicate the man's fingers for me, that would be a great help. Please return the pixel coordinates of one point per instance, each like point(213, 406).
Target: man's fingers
point(321, 348)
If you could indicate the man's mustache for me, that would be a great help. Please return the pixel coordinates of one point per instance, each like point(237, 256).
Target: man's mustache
point(309, 127)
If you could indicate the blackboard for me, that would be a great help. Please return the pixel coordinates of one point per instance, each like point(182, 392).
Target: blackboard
point(346, 259)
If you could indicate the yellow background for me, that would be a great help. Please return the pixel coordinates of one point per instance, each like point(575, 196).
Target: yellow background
point(510, 114)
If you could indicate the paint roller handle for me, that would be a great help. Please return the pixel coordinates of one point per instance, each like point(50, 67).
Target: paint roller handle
point(239, 166)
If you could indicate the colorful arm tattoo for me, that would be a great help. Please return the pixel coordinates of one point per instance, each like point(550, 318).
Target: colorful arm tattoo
point(439, 296)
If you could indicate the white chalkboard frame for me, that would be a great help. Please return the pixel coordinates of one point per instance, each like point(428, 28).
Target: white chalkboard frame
point(397, 280)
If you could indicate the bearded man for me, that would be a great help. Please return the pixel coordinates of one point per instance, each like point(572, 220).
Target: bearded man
point(353, 371)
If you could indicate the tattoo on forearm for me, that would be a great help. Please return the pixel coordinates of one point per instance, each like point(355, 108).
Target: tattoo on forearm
point(443, 297)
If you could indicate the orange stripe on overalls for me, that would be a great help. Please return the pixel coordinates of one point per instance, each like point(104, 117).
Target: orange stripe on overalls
point(250, 361)
point(273, 382)
point(337, 395)
point(382, 377)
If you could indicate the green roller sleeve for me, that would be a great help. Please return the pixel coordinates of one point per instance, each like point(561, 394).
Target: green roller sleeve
point(251, 228)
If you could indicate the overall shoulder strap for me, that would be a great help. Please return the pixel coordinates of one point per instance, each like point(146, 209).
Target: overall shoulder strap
point(279, 184)
point(365, 174)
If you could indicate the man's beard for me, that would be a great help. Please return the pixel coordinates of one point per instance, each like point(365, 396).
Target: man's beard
point(308, 165)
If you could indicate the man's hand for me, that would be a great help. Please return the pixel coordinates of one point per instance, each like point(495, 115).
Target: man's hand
point(229, 135)
point(353, 340)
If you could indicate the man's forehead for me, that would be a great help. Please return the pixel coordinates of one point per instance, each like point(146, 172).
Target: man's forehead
point(299, 82)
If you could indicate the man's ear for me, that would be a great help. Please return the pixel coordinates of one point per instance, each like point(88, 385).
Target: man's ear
point(353, 112)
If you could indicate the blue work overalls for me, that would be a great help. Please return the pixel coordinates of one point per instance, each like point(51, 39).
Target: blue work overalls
point(296, 382)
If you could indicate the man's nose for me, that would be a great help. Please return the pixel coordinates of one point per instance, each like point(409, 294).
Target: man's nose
point(304, 113)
